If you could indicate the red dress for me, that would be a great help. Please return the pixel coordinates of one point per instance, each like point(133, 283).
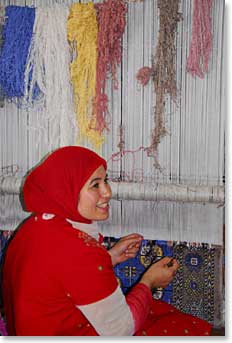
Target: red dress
point(50, 267)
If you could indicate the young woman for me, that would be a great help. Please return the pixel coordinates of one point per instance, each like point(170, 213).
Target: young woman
point(58, 279)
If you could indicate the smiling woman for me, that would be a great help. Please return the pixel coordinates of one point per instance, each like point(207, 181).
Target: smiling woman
point(56, 258)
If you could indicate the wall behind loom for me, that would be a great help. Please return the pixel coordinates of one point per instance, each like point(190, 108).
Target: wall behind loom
point(192, 153)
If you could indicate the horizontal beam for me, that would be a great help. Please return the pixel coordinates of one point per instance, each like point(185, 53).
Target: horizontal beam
point(167, 192)
point(143, 191)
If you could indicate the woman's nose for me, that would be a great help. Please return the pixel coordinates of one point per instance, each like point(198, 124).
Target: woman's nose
point(106, 191)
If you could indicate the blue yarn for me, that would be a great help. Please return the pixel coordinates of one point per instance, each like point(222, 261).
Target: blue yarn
point(2, 13)
point(17, 35)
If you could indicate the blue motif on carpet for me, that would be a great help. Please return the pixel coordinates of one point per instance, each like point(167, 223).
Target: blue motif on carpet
point(130, 271)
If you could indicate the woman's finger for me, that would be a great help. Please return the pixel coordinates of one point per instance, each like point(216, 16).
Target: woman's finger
point(131, 236)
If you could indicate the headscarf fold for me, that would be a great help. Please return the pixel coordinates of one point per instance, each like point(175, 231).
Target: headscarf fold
point(55, 184)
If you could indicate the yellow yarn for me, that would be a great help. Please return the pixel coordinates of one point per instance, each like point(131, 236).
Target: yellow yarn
point(82, 32)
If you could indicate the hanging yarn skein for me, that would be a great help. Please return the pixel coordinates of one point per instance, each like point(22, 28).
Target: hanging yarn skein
point(163, 71)
point(2, 19)
point(82, 32)
point(111, 26)
point(201, 42)
point(48, 66)
point(17, 35)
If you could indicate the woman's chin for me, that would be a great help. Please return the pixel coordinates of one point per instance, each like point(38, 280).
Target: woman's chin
point(102, 216)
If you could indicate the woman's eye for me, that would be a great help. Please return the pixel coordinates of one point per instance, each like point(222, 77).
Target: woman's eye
point(106, 180)
point(96, 185)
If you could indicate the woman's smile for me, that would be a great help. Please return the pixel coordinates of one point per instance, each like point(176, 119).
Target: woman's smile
point(104, 205)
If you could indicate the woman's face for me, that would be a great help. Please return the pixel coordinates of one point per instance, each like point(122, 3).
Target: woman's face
point(94, 197)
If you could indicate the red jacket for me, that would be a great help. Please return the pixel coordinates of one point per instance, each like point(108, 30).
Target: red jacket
point(50, 267)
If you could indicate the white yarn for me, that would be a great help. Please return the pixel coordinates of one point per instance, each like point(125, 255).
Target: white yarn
point(48, 61)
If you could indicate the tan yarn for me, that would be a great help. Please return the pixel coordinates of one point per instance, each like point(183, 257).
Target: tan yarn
point(164, 69)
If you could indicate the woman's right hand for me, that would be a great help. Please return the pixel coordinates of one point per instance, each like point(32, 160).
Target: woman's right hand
point(159, 274)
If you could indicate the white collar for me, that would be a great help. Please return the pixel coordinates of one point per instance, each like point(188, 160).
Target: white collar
point(91, 229)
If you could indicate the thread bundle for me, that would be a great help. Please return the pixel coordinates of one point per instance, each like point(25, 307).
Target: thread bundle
point(48, 68)
point(201, 43)
point(33, 48)
point(163, 70)
point(2, 15)
point(17, 35)
point(111, 23)
point(82, 34)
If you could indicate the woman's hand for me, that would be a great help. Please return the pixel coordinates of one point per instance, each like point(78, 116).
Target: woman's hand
point(127, 247)
point(160, 274)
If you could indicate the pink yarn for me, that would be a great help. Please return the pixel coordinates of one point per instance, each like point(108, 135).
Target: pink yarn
point(144, 74)
point(111, 17)
point(201, 43)
point(134, 173)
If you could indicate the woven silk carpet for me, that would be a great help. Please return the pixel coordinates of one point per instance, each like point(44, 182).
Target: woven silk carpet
point(197, 288)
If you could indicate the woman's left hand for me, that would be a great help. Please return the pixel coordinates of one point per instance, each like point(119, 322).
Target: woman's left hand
point(127, 247)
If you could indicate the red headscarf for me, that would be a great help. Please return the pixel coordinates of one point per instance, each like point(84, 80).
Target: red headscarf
point(54, 185)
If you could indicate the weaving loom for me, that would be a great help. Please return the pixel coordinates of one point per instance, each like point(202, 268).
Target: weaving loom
point(191, 156)
point(178, 206)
